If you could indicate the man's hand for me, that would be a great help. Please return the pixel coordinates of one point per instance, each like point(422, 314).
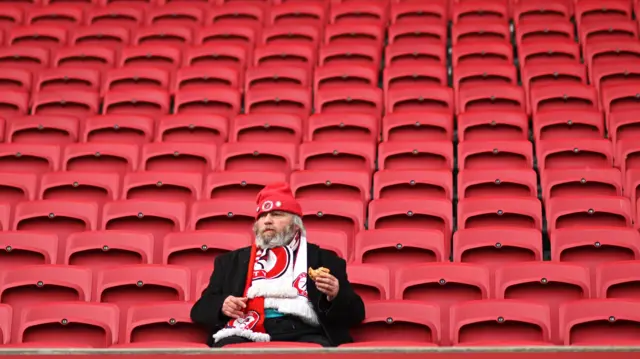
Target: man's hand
point(233, 307)
point(328, 284)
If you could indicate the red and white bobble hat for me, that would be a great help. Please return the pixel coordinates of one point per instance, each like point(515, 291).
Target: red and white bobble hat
point(277, 197)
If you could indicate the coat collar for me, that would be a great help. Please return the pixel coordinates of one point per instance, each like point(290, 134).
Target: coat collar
point(313, 259)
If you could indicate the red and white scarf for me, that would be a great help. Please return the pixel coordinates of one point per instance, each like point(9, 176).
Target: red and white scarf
point(276, 279)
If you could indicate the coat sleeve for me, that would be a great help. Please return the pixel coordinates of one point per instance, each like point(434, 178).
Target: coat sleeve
point(347, 308)
point(207, 311)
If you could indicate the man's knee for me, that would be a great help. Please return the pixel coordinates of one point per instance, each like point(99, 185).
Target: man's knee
point(230, 340)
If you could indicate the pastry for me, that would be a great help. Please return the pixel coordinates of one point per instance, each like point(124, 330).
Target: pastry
point(313, 273)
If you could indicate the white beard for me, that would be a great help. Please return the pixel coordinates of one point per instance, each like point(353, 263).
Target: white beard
point(279, 239)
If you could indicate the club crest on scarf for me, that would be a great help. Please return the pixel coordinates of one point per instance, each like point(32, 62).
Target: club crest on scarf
point(271, 263)
point(250, 319)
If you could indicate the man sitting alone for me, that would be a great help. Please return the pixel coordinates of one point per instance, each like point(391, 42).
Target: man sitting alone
point(262, 293)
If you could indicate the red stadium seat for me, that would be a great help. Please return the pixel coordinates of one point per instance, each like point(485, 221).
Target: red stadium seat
point(418, 126)
point(432, 214)
point(548, 13)
point(497, 246)
point(597, 31)
point(412, 184)
point(486, 30)
point(289, 100)
point(347, 216)
point(12, 15)
point(599, 322)
point(500, 323)
point(569, 96)
point(557, 73)
point(247, 14)
point(6, 314)
point(498, 97)
point(285, 55)
point(336, 75)
point(561, 124)
point(239, 185)
point(26, 57)
point(269, 77)
point(591, 211)
point(150, 102)
point(86, 56)
point(223, 216)
point(492, 126)
point(17, 186)
point(339, 127)
point(13, 103)
point(198, 249)
point(419, 12)
point(626, 156)
point(612, 75)
point(574, 154)
point(350, 99)
point(420, 98)
point(495, 155)
point(63, 79)
point(68, 325)
point(192, 128)
point(100, 157)
point(549, 52)
point(179, 157)
point(216, 55)
point(602, 11)
point(436, 155)
point(258, 156)
point(482, 54)
point(394, 247)
point(592, 246)
point(415, 76)
point(104, 249)
point(126, 129)
point(333, 240)
point(530, 32)
point(79, 186)
point(172, 14)
point(25, 248)
point(357, 54)
point(161, 322)
point(292, 34)
point(414, 54)
point(509, 212)
point(150, 55)
point(358, 13)
point(479, 11)
point(206, 78)
point(470, 75)
point(236, 35)
point(223, 101)
point(162, 186)
point(372, 282)
point(102, 35)
point(297, 13)
point(331, 185)
point(354, 34)
point(42, 129)
point(142, 284)
point(56, 217)
point(397, 321)
point(337, 156)
point(162, 35)
point(116, 15)
point(617, 280)
point(136, 78)
point(156, 217)
point(29, 158)
point(29, 285)
point(15, 79)
point(415, 33)
point(39, 35)
point(497, 183)
point(611, 53)
point(442, 284)
point(276, 127)
point(581, 182)
point(77, 103)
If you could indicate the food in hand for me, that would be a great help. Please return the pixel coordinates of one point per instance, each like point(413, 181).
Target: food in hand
point(314, 273)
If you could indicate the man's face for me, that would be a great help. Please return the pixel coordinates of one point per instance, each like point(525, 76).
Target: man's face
point(273, 229)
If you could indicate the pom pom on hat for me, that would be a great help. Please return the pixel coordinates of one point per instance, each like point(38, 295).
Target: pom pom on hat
point(277, 197)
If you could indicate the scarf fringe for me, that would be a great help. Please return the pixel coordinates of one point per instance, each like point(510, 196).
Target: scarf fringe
point(266, 289)
point(300, 307)
point(249, 334)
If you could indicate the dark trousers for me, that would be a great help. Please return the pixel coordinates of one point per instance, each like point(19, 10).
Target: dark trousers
point(284, 329)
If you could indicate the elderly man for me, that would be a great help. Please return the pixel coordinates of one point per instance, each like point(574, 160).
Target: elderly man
point(262, 293)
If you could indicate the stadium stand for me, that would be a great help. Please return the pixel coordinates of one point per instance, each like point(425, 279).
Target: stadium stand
point(475, 162)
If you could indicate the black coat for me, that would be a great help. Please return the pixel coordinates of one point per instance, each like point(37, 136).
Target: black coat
point(229, 275)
